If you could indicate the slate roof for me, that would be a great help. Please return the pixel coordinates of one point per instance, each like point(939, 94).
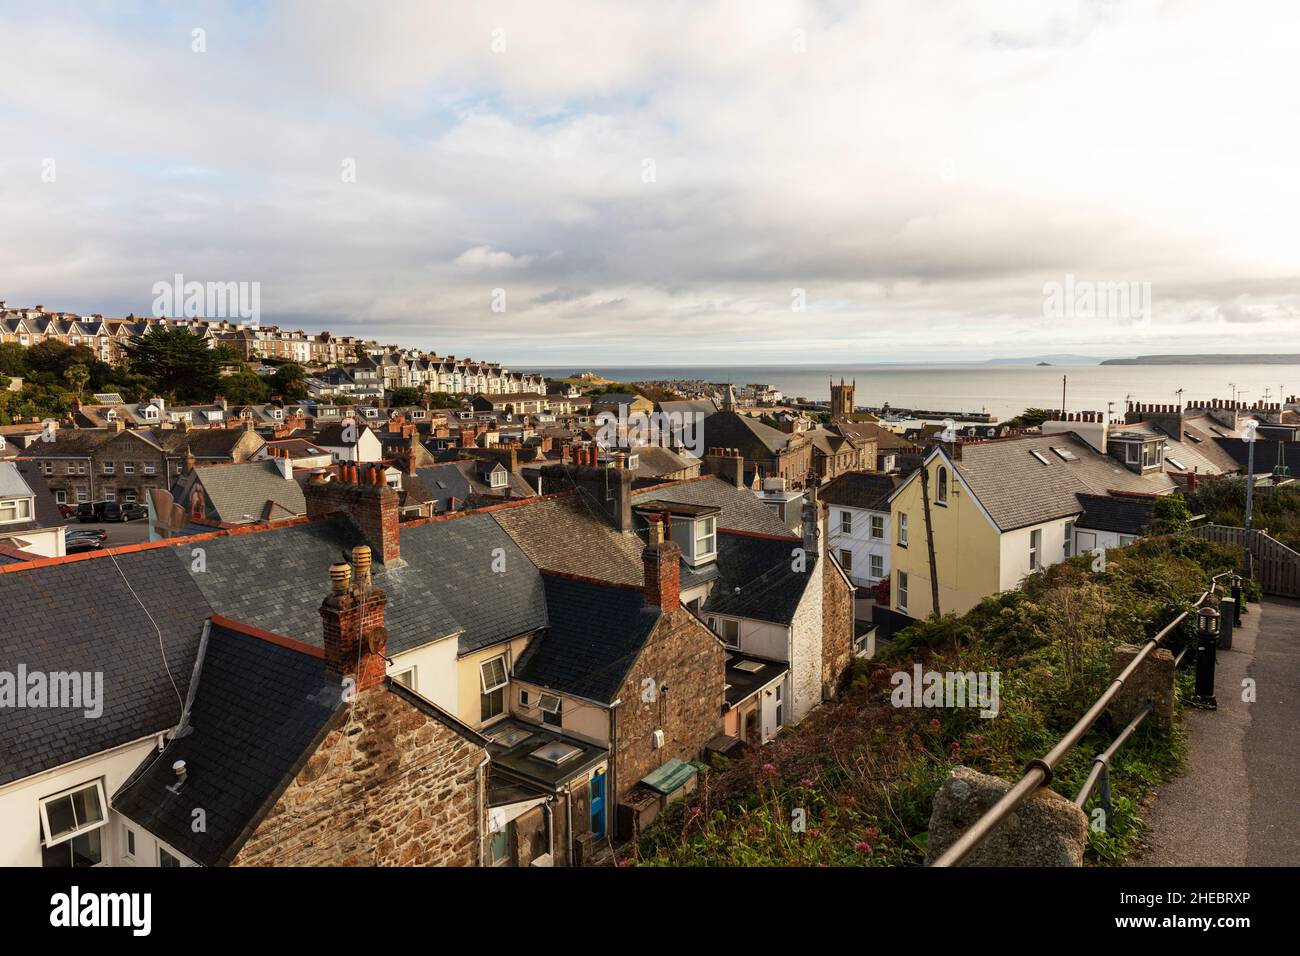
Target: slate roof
point(276, 580)
point(240, 492)
point(860, 489)
point(81, 616)
point(204, 442)
point(259, 712)
point(757, 580)
point(741, 509)
point(568, 535)
point(595, 635)
point(1265, 454)
point(1110, 513)
point(728, 429)
point(462, 480)
point(1018, 490)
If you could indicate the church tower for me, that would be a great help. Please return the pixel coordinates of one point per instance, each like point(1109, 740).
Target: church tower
point(842, 398)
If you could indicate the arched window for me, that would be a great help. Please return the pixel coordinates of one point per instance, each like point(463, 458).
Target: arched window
point(941, 495)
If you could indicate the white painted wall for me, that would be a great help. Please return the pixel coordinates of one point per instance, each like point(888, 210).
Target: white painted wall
point(859, 542)
point(1014, 551)
point(20, 823)
point(435, 672)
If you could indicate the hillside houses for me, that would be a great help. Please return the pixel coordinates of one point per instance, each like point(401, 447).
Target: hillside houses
point(531, 667)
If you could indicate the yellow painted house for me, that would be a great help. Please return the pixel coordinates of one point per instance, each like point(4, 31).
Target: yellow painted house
point(998, 511)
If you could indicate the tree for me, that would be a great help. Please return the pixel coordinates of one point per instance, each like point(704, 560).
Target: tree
point(1031, 418)
point(290, 380)
point(13, 359)
point(405, 396)
point(77, 376)
point(243, 388)
point(178, 363)
point(1170, 515)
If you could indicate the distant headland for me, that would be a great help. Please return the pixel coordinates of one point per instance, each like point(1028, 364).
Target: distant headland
point(1260, 359)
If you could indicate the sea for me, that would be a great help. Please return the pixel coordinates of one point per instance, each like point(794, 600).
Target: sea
point(1000, 390)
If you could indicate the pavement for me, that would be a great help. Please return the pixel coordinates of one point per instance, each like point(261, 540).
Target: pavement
point(1236, 804)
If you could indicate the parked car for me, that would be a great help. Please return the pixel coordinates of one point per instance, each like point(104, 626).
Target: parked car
point(79, 543)
point(91, 511)
point(122, 511)
point(67, 511)
point(98, 534)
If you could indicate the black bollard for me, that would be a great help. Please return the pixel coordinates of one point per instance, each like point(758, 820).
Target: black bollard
point(1207, 643)
point(1227, 615)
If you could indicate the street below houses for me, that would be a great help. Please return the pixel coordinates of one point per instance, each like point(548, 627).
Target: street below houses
point(1236, 804)
point(120, 533)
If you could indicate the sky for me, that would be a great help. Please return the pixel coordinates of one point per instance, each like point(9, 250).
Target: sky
point(606, 183)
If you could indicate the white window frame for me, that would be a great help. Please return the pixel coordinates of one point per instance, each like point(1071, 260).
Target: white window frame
point(901, 597)
point(902, 529)
point(21, 508)
point(846, 521)
point(876, 566)
point(1036, 549)
point(76, 831)
point(483, 677)
point(128, 468)
point(846, 560)
point(148, 468)
point(1068, 544)
point(941, 486)
point(878, 527)
point(406, 678)
point(704, 538)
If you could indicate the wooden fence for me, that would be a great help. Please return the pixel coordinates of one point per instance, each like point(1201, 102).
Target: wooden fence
point(1275, 566)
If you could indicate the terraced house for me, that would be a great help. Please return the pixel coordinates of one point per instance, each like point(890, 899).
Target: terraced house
point(979, 516)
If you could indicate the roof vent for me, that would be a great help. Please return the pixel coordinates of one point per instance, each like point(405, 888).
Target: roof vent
point(179, 769)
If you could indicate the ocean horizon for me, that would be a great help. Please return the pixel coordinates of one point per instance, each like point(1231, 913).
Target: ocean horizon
point(1001, 390)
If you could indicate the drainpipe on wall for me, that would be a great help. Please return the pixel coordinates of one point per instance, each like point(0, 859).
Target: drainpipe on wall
point(611, 820)
point(480, 803)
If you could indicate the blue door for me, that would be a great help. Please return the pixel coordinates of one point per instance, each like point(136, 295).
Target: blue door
point(598, 804)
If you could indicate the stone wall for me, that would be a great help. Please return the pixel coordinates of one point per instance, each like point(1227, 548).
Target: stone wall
point(837, 630)
point(391, 785)
point(688, 658)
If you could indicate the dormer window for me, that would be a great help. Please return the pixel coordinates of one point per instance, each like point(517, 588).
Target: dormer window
point(498, 478)
point(15, 509)
point(706, 541)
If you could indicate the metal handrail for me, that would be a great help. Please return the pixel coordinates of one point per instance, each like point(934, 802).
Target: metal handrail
point(1038, 772)
point(1101, 764)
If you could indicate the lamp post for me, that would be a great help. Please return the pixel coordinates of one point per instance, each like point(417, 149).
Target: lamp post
point(1207, 643)
point(1249, 428)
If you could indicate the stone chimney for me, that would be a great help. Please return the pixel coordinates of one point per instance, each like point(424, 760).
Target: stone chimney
point(352, 619)
point(726, 463)
point(362, 494)
point(661, 562)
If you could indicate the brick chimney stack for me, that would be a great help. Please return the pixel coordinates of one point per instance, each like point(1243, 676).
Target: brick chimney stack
point(352, 620)
point(660, 559)
point(364, 496)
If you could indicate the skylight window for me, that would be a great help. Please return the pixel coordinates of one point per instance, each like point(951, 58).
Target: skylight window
point(1065, 454)
point(749, 667)
point(549, 703)
point(556, 752)
point(1177, 464)
point(1039, 456)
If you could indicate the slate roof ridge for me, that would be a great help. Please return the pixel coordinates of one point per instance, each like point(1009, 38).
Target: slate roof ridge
point(280, 640)
point(166, 542)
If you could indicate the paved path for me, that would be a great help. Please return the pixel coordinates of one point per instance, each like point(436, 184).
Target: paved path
point(1238, 804)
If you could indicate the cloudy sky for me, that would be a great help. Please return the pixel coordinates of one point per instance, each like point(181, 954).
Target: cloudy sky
point(668, 183)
